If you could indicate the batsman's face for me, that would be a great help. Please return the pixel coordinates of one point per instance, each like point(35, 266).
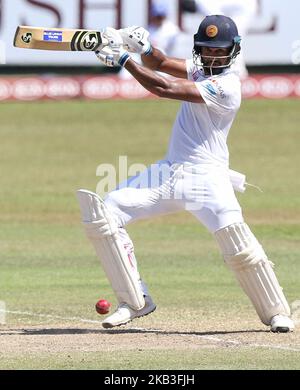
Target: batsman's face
point(215, 56)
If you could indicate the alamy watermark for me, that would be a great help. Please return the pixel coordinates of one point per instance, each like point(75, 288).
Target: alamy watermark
point(2, 52)
point(166, 181)
point(295, 307)
point(296, 52)
point(2, 313)
point(112, 175)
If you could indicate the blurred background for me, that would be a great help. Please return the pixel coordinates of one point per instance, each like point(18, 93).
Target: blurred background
point(270, 41)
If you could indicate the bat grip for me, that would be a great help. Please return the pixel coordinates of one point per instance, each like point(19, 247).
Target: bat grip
point(104, 42)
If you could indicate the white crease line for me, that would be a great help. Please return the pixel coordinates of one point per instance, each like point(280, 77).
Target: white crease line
point(211, 338)
point(281, 347)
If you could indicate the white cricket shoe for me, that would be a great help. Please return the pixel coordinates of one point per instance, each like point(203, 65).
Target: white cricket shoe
point(125, 313)
point(282, 324)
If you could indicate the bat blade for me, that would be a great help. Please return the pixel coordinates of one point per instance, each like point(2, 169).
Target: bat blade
point(62, 39)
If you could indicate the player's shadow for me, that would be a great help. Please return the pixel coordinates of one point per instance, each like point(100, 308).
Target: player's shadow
point(73, 331)
point(184, 333)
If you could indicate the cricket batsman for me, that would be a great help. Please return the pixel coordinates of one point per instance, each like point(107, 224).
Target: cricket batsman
point(193, 176)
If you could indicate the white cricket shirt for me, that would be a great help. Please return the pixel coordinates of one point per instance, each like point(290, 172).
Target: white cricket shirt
point(200, 130)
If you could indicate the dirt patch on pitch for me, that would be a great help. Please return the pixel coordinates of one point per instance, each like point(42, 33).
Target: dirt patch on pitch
point(74, 338)
point(85, 339)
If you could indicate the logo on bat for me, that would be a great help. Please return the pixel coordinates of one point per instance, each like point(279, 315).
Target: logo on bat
point(90, 41)
point(86, 41)
point(26, 38)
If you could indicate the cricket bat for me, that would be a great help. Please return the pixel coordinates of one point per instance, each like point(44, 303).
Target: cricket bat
point(63, 39)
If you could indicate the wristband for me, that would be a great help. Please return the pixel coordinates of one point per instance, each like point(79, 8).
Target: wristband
point(148, 51)
point(124, 58)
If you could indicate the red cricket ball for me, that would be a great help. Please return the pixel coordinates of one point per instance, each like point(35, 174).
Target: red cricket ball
point(103, 306)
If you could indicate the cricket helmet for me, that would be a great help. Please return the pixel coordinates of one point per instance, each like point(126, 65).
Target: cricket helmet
point(217, 31)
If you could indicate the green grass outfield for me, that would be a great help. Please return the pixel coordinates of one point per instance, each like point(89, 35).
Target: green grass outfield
point(50, 277)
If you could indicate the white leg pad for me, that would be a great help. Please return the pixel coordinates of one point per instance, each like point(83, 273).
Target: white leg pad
point(247, 259)
point(102, 230)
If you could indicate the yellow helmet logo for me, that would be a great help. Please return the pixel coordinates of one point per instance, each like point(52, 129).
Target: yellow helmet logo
point(212, 31)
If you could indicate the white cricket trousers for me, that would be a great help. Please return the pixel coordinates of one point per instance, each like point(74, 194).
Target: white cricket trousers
point(204, 190)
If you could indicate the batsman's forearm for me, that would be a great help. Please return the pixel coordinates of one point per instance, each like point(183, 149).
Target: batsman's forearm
point(154, 60)
point(147, 78)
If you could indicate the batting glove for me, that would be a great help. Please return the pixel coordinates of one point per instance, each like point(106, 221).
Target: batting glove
point(113, 57)
point(136, 40)
point(113, 54)
point(114, 37)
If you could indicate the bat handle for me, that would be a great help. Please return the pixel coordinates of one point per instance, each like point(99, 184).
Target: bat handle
point(104, 42)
